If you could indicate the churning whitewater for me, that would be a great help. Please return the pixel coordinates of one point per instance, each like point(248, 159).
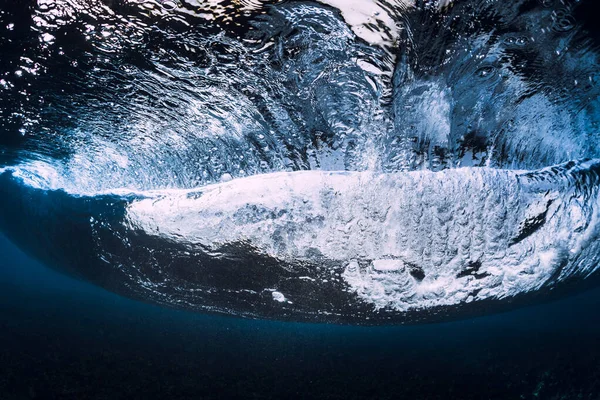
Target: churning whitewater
point(355, 162)
point(407, 240)
point(280, 243)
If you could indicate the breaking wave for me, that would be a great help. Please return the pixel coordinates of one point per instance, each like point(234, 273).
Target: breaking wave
point(360, 162)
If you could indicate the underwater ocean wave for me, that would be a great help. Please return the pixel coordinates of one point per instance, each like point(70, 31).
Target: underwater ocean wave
point(357, 162)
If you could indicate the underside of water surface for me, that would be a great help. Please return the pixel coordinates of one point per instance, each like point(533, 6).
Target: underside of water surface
point(362, 162)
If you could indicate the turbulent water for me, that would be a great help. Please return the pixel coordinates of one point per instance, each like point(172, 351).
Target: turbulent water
point(344, 161)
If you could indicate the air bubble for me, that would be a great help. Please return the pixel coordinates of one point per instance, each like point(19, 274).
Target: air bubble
point(47, 38)
point(169, 5)
point(486, 72)
point(509, 40)
point(522, 41)
point(563, 21)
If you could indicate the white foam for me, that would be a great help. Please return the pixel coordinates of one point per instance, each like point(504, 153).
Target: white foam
point(440, 223)
point(359, 14)
point(279, 297)
point(387, 265)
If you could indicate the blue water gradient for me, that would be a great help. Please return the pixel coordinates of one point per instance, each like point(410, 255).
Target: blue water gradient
point(65, 339)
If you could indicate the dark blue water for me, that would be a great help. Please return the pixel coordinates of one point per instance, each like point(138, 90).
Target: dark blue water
point(64, 339)
point(97, 95)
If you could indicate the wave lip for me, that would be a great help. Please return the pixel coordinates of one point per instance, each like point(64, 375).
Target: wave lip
point(325, 246)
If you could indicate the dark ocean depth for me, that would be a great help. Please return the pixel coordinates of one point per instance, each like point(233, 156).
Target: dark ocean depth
point(64, 339)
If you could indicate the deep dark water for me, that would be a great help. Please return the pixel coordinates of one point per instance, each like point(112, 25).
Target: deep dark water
point(64, 339)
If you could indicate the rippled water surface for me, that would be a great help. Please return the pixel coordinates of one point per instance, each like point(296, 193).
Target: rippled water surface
point(161, 94)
